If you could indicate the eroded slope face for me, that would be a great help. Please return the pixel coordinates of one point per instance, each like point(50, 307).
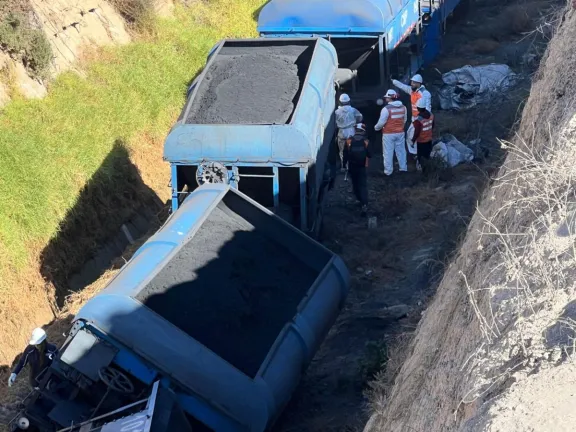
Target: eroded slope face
point(495, 348)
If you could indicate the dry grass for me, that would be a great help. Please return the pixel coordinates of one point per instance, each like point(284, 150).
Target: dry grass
point(139, 14)
point(398, 350)
point(513, 20)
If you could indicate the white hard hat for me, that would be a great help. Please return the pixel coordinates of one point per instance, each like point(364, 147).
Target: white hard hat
point(23, 423)
point(417, 78)
point(38, 336)
point(344, 98)
point(420, 103)
point(361, 127)
point(391, 94)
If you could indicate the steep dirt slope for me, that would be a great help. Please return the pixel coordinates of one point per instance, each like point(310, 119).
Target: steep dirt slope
point(495, 348)
point(397, 266)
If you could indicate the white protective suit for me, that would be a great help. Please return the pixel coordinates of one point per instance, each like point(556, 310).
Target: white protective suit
point(392, 142)
point(347, 117)
point(427, 97)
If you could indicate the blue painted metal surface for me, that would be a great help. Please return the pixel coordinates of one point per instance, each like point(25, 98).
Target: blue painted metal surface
point(400, 27)
point(213, 390)
point(328, 16)
point(346, 18)
point(291, 143)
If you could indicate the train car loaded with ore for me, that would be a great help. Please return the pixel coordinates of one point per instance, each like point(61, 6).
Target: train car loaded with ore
point(217, 315)
point(212, 322)
point(260, 115)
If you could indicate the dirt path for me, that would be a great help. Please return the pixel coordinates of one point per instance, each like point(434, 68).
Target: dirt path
point(396, 267)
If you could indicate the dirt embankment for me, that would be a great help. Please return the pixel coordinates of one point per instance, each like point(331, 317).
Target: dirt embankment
point(41, 39)
point(495, 349)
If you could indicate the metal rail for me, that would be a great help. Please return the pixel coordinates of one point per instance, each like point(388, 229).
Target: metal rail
point(70, 428)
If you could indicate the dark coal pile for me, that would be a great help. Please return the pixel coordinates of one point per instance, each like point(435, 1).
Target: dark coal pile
point(230, 288)
point(247, 89)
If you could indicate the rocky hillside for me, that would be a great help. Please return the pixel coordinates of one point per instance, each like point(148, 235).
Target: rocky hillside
point(40, 39)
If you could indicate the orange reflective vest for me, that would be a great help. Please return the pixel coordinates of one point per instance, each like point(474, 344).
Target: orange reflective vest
point(395, 122)
point(415, 96)
point(426, 133)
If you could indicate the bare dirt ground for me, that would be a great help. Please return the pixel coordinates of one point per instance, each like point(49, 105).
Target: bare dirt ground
point(397, 266)
point(495, 350)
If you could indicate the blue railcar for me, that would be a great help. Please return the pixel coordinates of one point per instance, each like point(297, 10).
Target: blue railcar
point(283, 166)
point(221, 311)
point(373, 38)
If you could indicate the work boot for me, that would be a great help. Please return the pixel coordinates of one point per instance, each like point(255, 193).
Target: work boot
point(364, 210)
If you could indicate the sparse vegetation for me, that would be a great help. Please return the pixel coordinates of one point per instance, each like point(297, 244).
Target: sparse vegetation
point(138, 13)
point(375, 359)
point(25, 43)
point(499, 334)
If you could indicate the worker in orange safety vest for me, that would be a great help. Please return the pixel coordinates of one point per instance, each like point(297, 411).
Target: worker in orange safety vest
point(422, 139)
point(417, 92)
point(391, 122)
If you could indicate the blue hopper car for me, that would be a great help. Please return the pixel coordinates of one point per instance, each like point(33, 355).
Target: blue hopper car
point(208, 327)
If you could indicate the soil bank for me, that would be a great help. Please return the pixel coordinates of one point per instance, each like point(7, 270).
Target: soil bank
point(230, 288)
point(495, 349)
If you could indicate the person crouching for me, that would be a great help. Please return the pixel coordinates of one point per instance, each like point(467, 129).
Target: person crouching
point(356, 155)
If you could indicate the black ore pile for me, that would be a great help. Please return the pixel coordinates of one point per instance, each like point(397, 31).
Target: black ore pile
point(247, 89)
point(231, 288)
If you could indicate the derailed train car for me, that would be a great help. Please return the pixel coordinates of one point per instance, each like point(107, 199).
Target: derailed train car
point(213, 320)
point(208, 327)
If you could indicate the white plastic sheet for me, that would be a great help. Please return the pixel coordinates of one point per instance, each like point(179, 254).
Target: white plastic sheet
point(409, 137)
point(472, 85)
point(452, 151)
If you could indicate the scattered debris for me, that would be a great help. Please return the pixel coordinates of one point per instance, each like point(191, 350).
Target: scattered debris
point(452, 151)
point(469, 86)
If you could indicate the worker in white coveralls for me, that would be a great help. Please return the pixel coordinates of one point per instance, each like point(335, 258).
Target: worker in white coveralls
point(38, 355)
point(417, 92)
point(347, 117)
point(391, 122)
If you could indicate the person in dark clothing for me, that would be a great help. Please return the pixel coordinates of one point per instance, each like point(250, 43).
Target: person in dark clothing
point(38, 355)
point(355, 157)
point(423, 126)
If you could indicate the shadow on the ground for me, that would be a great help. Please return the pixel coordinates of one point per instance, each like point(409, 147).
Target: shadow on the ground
point(114, 208)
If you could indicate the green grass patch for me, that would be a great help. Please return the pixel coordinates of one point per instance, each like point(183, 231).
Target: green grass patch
point(50, 148)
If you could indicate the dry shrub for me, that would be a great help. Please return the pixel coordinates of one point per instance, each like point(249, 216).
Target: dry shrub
point(138, 13)
point(515, 19)
point(22, 41)
point(397, 351)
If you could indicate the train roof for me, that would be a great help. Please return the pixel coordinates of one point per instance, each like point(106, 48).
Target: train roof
point(328, 16)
